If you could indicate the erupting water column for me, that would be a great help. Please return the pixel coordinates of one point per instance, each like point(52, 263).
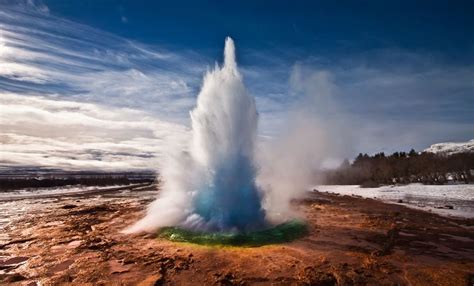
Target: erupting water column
point(212, 187)
point(224, 132)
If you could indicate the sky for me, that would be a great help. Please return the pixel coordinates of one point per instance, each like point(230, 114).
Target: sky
point(109, 84)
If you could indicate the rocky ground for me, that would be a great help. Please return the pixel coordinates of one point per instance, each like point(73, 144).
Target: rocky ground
point(352, 241)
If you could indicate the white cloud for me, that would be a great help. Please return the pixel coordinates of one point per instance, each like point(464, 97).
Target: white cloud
point(74, 97)
point(44, 54)
point(77, 97)
point(44, 132)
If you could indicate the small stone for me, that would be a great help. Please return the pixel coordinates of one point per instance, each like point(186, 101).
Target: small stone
point(69, 206)
point(74, 244)
point(61, 266)
point(117, 267)
point(12, 262)
point(15, 277)
point(128, 260)
point(156, 279)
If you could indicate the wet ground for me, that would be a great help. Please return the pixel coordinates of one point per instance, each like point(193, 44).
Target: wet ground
point(351, 241)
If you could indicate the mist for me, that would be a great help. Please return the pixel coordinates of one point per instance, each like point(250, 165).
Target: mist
point(312, 136)
point(224, 180)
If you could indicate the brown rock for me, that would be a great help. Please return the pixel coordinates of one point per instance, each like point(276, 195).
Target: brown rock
point(61, 266)
point(10, 278)
point(12, 262)
point(68, 206)
point(74, 244)
point(153, 280)
point(117, 267)
point(311, 276)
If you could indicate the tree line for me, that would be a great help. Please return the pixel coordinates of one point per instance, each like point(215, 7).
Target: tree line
point(404, 168)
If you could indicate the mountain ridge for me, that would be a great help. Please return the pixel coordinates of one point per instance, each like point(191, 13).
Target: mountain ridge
point(450, 148)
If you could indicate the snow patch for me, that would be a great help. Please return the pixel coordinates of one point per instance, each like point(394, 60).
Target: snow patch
point(448, 200)
point(450, 148)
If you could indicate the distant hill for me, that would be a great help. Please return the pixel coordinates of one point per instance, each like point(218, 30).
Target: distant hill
point(450, 148)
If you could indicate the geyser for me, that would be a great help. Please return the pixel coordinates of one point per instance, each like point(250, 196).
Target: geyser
point(211, 186)
point(224, 127)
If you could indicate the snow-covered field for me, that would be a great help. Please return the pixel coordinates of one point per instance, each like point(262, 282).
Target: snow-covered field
point(14, 205)
point(56, 191)
point(454, 200)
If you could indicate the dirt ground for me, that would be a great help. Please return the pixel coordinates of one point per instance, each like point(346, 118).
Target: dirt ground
point(351, 241)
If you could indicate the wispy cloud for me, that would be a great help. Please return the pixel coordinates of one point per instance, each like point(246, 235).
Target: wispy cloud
point(45, 132)
point(43, 54)
point(73, 96)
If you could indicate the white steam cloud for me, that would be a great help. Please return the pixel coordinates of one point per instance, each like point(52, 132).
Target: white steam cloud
point(220, 183)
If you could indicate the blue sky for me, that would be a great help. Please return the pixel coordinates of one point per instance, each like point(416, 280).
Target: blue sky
point(324, 28)
point(115, 80)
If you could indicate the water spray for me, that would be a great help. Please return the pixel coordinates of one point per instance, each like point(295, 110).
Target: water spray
point(211, 187)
